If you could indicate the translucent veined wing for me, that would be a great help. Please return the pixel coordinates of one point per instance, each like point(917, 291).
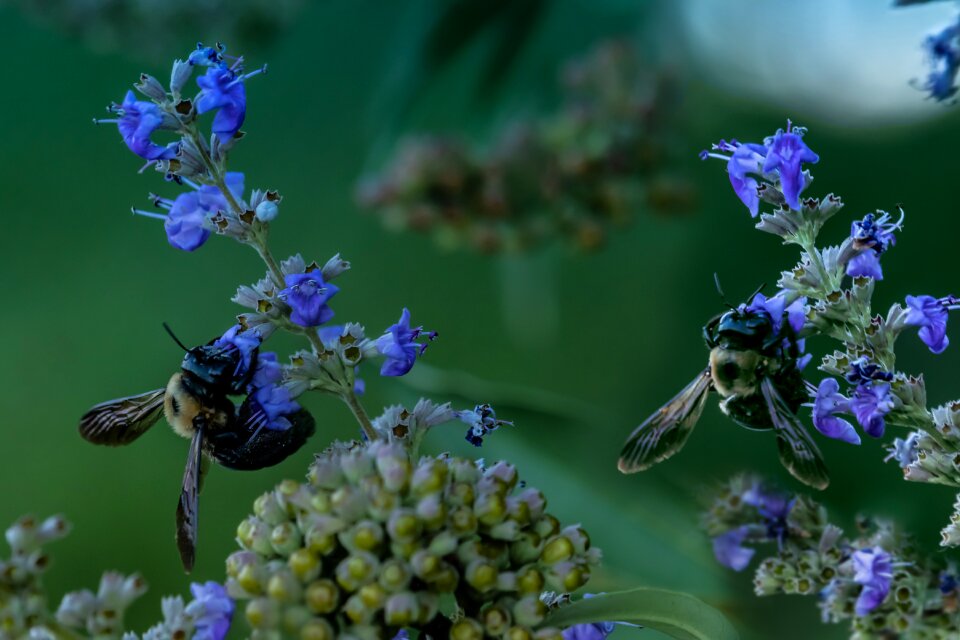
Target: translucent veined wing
point(798, 452)
point(121, 421)
point(665, 432)
point(188, 507)
point(250, 445)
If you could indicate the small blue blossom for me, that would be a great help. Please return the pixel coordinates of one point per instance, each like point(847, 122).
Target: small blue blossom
point(187, 222)
point(223, 91)
point(268, 370)
point(786, 153)
point(745, 159)
point(774, 507)
point(137, 121)
point(874, 570)
point(482, 420)
point(871, 236)
point(399, 345)
point(729, 550)
point(307, 294)
point(246, 342)
point(211, 609)
point(828, 402)
point(862, 370)
point(207, 56)
point(948, 582)
point(779, 159)
point(870, 403)
point(275, 402)
point(943, 56)
point(588, 631)
point(930, 314)
point(904, 450)
point(776, 308)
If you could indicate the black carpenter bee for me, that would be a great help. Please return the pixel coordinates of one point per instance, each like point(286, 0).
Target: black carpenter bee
point(196, 403)
point(753, 366)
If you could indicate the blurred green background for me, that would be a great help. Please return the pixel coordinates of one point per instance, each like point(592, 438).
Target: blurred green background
point(86, 285)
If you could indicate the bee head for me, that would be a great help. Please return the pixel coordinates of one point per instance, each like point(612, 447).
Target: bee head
point(739, 328)
point(214, 365)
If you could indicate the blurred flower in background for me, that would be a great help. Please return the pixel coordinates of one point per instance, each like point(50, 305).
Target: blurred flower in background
point(596, 162)
point(146, 28)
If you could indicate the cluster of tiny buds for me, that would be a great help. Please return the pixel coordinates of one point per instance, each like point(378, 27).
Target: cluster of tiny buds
point(570, 175)
point(23, 605)
point(376, 543)
point(875, 580)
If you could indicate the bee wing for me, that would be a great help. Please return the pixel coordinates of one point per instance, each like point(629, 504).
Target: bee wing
point(798, 452)
point(121, 421)
point(665, 432)
point(188, 507)
point(250, 444)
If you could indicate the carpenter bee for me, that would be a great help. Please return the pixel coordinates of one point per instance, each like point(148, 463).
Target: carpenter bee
point(196, 403)
point(753, 367)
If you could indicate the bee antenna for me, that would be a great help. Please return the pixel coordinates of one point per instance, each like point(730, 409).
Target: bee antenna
point(759, 289)
point(173, 335)
point(723, 297)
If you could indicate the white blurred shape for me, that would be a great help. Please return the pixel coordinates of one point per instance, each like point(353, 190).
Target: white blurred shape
point(848, 62)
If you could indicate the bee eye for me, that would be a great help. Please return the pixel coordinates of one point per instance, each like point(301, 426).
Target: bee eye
point(730, 370)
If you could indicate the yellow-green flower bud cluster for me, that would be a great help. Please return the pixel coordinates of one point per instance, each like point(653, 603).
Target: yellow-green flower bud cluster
point(375, 542)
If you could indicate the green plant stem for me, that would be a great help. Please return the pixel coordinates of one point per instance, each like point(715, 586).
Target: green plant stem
point(360, 414)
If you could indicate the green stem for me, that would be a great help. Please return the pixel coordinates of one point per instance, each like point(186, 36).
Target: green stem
point(360, 414)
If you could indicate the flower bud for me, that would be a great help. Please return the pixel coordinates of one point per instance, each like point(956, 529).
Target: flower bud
point(401, 609)
point(403, 526)
point(179, 75)
point(317, 629)
point(481, 575)
point(529, 611)
point(262, 613)
point(267, 211)
point(322, 596)
point(394, 575)
point(268, 508)
point(393, 464)
point(466, 629)
point(284, 587)
point(356, 570)
point(285, 538)
point(304, 564)
point(254, 534)
point(151, 87)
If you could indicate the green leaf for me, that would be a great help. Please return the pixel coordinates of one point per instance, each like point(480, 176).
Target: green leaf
point(678, 615)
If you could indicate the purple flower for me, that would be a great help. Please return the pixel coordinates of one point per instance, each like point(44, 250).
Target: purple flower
point(211, 609)
point(729, 550)
point(268, 370)
point(874, 570)
point(773, 506)
point(588, 631)
point(246, 342)
point(862, 370)
point(137, 122)
point(776, 308)
point(399, 345)
point(745, 159)
point(904, 450)
point(870, 403)
point(482, 420)
point(786, 153)
point(275, 402)
point(187, 219)
point(827, 403)
point(307, 294)
point(780, 157)
point(185, 223)
point(930, 314)
point(223, 90)
point(943, 56)
point(871, 236)
point(207, 56)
